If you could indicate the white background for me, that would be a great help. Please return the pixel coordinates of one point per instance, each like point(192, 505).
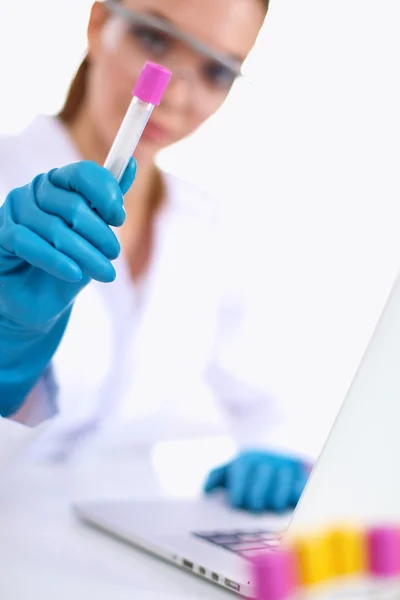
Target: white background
point(313, 176)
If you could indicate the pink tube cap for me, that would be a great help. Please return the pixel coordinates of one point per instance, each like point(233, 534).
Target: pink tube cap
point(152, 83)
point(275, 575)
point(383, 547)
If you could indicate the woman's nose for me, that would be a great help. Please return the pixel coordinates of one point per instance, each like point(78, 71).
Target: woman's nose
point(181, 89)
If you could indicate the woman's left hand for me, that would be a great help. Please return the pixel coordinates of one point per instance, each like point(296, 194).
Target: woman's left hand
point(260, 481)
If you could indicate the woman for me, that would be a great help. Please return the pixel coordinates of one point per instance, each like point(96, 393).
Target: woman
point(149, 347)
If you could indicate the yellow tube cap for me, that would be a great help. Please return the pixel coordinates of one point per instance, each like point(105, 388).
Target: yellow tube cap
point(314, 560)
point(348, 550)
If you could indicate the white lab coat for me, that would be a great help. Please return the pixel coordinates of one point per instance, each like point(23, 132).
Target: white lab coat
point(151, 356)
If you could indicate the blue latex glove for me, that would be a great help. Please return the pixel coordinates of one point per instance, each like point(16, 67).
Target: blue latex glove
point(54, 238)
point(260, 481)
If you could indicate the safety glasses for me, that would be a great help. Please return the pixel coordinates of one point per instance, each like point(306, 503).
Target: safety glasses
point(147, 37)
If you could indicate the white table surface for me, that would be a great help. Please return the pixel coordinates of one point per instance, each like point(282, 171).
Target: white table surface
point(45, 553)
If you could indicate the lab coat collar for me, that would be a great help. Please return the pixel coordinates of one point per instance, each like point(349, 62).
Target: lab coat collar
point(48, 136)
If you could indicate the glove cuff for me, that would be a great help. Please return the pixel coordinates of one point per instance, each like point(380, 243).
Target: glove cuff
point(23, 358)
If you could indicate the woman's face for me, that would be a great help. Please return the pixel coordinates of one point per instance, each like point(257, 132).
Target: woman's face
point(118, 49)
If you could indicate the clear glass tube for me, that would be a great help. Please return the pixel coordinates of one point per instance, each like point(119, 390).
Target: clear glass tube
point(128, 137)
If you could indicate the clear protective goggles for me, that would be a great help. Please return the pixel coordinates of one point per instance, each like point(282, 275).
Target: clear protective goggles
point(137, 37)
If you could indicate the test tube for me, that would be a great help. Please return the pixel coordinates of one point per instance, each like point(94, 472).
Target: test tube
point(383, 549)
point(275, 575)
point(147, 94)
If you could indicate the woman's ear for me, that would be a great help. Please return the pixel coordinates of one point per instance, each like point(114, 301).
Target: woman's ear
point(98, 17)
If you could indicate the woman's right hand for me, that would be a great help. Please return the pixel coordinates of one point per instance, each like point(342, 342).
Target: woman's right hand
point(55, 237)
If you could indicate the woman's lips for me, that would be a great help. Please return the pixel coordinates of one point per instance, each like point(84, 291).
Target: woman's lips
point(155, 133)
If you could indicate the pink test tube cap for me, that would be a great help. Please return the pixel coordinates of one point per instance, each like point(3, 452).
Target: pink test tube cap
point(383, 548)
point(274, 574)
point(152, 83)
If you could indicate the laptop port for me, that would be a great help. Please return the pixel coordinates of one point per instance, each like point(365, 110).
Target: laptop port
point(215, 577)
point(232, 585)
point(187, 564)
point(202, 571)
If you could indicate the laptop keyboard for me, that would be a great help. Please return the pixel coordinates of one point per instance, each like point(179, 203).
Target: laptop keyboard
point(245, 543)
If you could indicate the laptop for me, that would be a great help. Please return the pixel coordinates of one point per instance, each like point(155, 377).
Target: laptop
point(356, 479)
